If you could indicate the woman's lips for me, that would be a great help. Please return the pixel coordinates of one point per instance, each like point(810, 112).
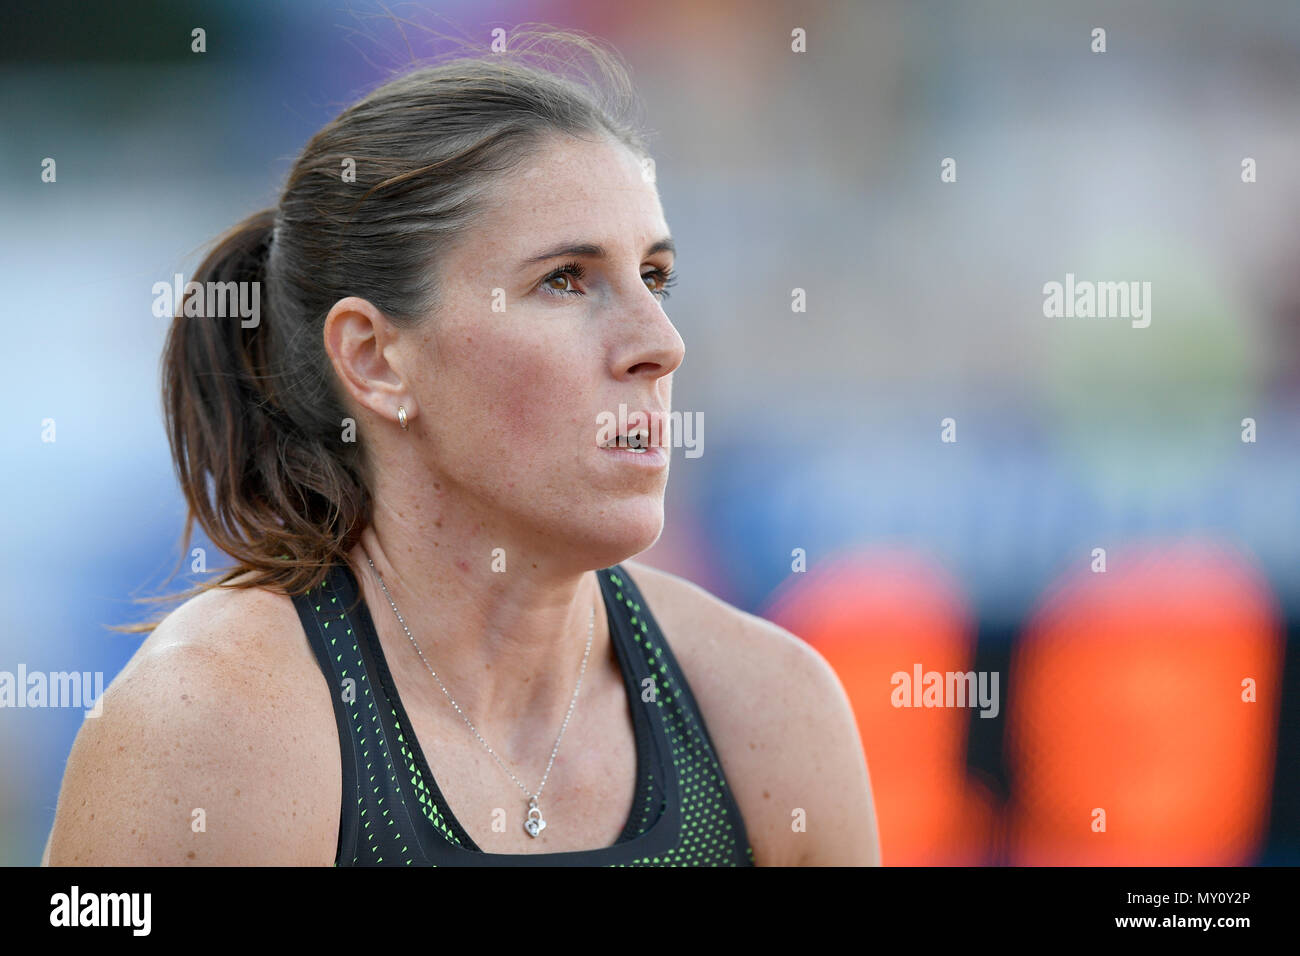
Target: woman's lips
point(653, 457)
point(643, 439)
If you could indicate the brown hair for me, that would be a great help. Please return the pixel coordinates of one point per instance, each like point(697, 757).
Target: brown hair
point(254, 414)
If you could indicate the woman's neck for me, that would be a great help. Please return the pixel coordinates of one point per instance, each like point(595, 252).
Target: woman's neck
point(504, 629)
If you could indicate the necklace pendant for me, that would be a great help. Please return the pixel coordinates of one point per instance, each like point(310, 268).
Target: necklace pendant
point(534, 824)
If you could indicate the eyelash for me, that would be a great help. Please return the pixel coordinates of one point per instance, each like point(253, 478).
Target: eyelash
point(667, 278)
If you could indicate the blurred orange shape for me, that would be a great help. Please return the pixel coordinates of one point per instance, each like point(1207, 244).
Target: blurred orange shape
point(1126, 697)
point(871, 615)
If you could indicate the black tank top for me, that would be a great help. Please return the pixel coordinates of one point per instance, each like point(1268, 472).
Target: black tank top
point(393, 813)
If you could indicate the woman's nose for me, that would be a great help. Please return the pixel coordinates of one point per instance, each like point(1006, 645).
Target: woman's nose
point(652, 345)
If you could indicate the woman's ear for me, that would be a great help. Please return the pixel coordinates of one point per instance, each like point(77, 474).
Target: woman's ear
point(361, 345)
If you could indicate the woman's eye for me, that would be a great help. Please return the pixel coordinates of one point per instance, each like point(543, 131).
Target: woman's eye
point(560, 282)
point(563, 280)
point(663, 279)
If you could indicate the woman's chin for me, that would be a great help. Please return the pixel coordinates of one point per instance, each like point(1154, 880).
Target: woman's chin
point(622, 533)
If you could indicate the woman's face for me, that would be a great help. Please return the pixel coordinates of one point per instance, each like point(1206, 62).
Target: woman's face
point(536, 343)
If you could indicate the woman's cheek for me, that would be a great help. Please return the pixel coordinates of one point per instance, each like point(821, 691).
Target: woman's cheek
point(538, 396)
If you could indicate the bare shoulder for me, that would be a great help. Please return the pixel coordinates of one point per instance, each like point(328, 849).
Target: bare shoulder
point(208, 748)
point(781, 722)
point(723, 644)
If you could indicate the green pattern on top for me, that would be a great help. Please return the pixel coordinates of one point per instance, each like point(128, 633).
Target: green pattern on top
point(705, 836)
point(379, 741)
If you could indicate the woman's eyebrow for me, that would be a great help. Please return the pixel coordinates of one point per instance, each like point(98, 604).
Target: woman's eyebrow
point(592, 251)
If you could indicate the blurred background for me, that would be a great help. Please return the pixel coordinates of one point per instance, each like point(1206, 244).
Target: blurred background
point(1120, 691)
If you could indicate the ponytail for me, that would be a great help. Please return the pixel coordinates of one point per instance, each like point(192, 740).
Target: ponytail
point(278, 495)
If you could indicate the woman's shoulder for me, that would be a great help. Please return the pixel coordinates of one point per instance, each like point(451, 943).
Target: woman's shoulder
point(224, 621)
point(700, 625)
point(779, 718)
point(207, 748)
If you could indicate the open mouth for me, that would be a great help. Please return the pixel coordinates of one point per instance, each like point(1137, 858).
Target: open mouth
point(636, 440)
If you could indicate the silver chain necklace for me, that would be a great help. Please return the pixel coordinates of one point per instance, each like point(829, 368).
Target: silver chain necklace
point(533, 823)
